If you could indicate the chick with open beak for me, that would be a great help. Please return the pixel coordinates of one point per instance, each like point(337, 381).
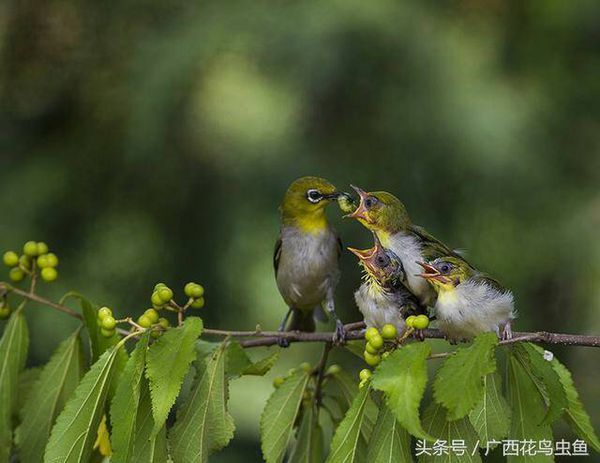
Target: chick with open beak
point(468, 302)
point(383, 297)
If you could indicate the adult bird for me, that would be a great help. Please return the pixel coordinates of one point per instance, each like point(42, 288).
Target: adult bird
point(306, 255)
point(386, 216)
point(383, 298)
point(468, 301)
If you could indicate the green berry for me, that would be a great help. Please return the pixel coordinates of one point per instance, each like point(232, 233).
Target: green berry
point(4, 312)
point(389, 331)
point(16, 274)
point(42, 248)
point(165, 294)
point(156, 334)
point(49, 274)
point(376, 341)
point(278, 381)
point(372, 360)
point(334, 370)
point(42, 261)
point(193, 290)
point(51, 259)
point(362, 384)
point(372, 331)
point(152, 315)
point(157, 286)
point(198, 303)
point(144, 321)
point(10, 258)
point(365, 374)
point(371, 349)
point(30, 249)
point(305, 366)
point(104, 312)
point(410, 320)
point(107, 333)
point(156, 300)
point(25, 262)
point(421, 322)
point(163, 322)
point(109, 323)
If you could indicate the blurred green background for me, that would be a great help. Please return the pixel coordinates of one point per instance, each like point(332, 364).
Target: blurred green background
point(152, 141)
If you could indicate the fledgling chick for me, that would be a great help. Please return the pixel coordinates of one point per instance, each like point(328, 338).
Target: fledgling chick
point(307, 254)
point(468, 302)
point(385, 215)
point(383, 298)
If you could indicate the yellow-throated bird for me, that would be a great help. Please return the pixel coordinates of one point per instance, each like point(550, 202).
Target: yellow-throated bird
point(468, 301)
point(385, 215)
point(383, 297)
point(307, 254)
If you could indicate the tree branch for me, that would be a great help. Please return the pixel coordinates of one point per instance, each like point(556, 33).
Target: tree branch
point(354, 331)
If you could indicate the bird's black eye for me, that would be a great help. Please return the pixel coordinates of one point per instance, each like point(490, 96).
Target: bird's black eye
point(370, 201)
point(314, 196)
point(445, 268)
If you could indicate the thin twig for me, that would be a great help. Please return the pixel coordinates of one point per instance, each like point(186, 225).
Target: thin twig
point(321, 373)
point(354, 330)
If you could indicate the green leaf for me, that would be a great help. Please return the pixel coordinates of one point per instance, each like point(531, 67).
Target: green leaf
point(575, 414)
point(347, 446)
point(203, 424)
point(279, 415)
point(168, 361)
point(403, 377)
point(54, 387)
point(98, 343)
point(528, 410)
point(436, 423)
point(13, 354)
point(545, 379)
point(126, 402)
point(309, 441)
point(74, 433)
point(239, 363)
point(148, 447)
point(458, 384)
point(491, 416)
point(357, 348)
point(348, 388)
point(390, 442)
point(27, 380)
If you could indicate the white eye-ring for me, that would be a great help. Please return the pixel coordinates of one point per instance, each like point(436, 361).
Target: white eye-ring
point(314, 196)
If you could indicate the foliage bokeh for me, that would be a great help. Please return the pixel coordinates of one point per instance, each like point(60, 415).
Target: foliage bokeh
point(150, 141)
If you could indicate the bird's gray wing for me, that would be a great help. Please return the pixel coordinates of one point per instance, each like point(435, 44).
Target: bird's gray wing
point(277, 255)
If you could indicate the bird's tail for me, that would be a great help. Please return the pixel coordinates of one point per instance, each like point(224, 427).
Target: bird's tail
point(302, 320)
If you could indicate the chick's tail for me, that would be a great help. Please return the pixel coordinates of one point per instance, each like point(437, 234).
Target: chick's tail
point(302, 320)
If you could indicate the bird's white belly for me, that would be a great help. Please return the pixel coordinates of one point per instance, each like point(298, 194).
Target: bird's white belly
point(377, 309)
point(473, 309)
point(308, 267)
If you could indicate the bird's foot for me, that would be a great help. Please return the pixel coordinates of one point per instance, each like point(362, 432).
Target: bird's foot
point(419, 335)
point(283, 342)
point(339, 336)
point(507, 332)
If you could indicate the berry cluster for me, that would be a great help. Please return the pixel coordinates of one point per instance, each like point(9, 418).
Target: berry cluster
point(151, 319)
point(418, 322)
point(375, 343)
point(106, 322)
point(35, 256)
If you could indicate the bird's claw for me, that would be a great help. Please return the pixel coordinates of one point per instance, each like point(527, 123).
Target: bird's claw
point(506, 332)
point(283, 342)
point(339, 336)
point(419, 335)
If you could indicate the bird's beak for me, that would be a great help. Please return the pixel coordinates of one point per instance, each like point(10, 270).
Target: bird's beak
point(363, 254)
point(361, 210)
point(333, 196)
point(430, 272)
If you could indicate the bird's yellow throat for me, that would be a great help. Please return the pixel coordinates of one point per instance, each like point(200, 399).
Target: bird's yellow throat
point(312, 223)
